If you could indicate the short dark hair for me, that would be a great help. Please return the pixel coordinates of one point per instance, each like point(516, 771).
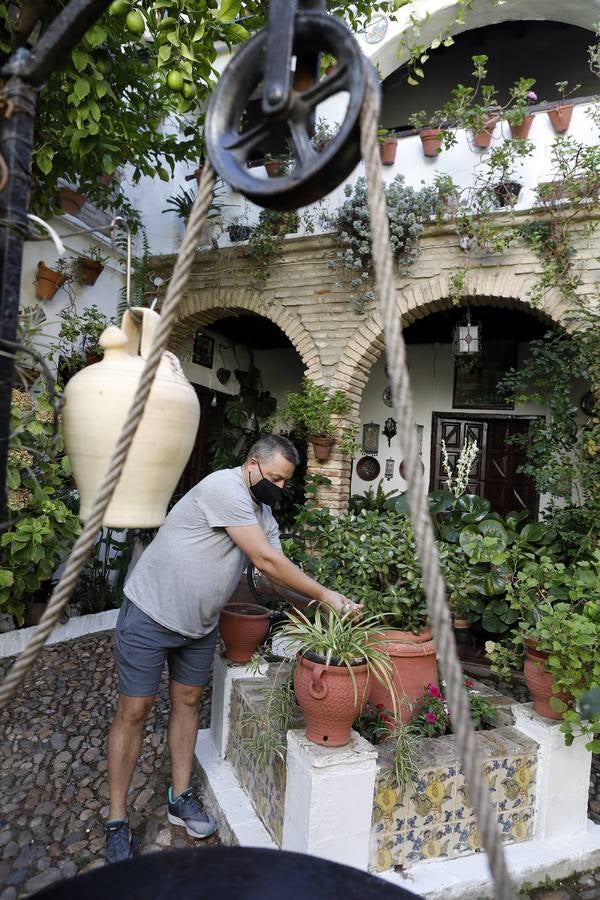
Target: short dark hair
point(268, 446)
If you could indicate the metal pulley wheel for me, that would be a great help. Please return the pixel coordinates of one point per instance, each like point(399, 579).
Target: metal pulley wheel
point(286, 118)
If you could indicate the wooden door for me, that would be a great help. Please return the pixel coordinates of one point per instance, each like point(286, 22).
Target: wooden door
point(494, 474)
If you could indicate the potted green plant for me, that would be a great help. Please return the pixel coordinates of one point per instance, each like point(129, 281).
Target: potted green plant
point(238, 231)
point(323, 134)
point(432, 136)
point(315, 413)
point(388, 144)
point(276, 165)
point(78, 341)
point(371, 558)
point(49, 280)
point(560, 115)
point(338, 658)
point(519, 120)
point(88, 267)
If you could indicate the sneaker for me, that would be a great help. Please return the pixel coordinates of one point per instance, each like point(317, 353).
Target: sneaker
point(120, 842)
point(185, 810)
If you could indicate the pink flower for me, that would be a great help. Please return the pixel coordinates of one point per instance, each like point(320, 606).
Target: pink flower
point(468, 682)
point(434, 691)
point(430, 718)
point(532, 96)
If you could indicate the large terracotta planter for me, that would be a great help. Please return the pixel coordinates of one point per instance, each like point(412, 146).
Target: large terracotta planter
point(521, 131)
point(329, 700)
point(539, 682)
point(560, 116)
point(243, 627)
point(97, 401)
point(387, 151)
point(414, 664)
point(483, 138)
point(48, 281)
point(431, 139)
point(322, 447)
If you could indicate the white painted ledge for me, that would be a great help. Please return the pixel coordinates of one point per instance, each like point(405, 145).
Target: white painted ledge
point(226, 800)
point(14, 642)
point(468, 878)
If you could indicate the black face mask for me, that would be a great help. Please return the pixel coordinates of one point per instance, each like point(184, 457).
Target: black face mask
point(264, 491)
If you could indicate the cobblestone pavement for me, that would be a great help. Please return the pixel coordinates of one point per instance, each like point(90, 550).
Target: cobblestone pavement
point(53, 788)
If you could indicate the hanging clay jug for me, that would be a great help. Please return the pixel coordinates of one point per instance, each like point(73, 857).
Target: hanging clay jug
point(97, 401)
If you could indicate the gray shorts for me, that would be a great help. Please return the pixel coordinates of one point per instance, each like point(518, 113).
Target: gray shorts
point(142, 646)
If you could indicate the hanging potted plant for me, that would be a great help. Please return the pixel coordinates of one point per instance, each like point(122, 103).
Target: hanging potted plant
point(243, 627)
point(388, 144)
point(49, 280)
point(88, 267)
point(71, 201)
point(560, 115)
point(339, 657)
point(314, 413)
point(519, 120)
point(483, 137)
point(432, 136)
point(275, 166)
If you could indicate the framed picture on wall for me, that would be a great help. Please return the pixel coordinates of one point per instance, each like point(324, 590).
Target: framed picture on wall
point(203, 351)
point(477, 388)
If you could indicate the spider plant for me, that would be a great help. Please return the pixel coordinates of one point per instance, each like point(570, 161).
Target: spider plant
point(342, 639)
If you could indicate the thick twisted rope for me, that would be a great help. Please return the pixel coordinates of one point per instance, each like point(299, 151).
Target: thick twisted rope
point(88, 536)
point(433, 582)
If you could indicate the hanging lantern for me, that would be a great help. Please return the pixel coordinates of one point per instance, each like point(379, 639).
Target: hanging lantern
point(466, 342)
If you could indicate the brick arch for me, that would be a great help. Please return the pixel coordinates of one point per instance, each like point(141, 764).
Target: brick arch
point(438, 16)
point(419, 299)
point(202, 308)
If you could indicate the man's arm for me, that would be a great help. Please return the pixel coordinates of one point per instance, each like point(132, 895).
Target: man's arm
point(252, 540)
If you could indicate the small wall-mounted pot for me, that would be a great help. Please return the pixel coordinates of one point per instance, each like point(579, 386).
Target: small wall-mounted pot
point(71, 201)
point(239, 233)
point(88, 270)
point(48, 281)
point(275, 167)
point(521, 131)
point(322, 447)
point(507, 192)
point(560, 116)
point(387, 151)
point(483, 138)
point(431, 139)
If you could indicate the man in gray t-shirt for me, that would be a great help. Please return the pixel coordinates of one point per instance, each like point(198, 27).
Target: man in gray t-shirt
point(170, 612)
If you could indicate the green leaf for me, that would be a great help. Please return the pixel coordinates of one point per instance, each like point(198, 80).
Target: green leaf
point(558, 705)
point(162, 174)
point(593, 746)
point(228, 10)
point(96, 36)
point(237, 33)
point(82, 87)
point(80, 59)
point(164, 52)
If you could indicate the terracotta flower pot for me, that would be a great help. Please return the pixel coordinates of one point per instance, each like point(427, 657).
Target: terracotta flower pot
point(47, 281)
point(243, 627)
point(483, 138)
point(387, 151)
point(431, 139)
point(414, 663)
point(539, 682)
point(560, 116)
point(71, 201)
point(88, 270)
point(327, 697)
point(322, 447)
point(522, 130)
point(274, 167)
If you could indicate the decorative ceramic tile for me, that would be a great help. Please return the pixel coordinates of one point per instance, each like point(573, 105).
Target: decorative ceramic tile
point(431, 802)
point(515, 786)
point(389, 809)
point(427, 843)
point(387, 851)
point(465, 838)
point(516, 826)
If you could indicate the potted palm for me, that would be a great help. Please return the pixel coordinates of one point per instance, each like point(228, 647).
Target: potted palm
point(315, 413)
point(339, 657)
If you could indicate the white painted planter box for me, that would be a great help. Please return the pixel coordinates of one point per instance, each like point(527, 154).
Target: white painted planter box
point(14, 642)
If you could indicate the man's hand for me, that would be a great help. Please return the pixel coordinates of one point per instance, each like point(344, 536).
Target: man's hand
point(340, 603)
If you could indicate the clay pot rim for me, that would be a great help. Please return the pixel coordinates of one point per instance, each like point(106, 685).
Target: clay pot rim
point(332, 669)
point(323, 440)
point(230, 610)
point(406, 637)
point(360, 663)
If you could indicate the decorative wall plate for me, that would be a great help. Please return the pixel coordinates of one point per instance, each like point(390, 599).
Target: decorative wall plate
point(367, 468)
point(387, 396)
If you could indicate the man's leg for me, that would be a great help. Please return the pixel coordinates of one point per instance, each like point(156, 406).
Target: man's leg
point(124, 746)
point(182, 733)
